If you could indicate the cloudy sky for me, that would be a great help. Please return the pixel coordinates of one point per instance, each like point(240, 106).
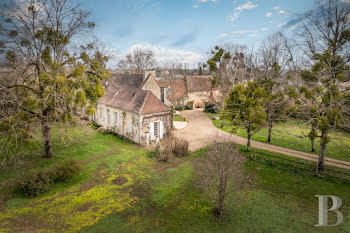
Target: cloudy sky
point(185, 30)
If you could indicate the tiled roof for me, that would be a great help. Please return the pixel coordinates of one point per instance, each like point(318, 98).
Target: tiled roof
point(199, 83)
point(177, 87)
point(153, 105)
point(124, 91)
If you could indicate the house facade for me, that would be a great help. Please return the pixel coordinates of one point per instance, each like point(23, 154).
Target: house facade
point(196, 89)
point(132, 107)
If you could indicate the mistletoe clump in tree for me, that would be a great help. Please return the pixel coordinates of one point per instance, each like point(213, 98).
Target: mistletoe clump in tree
point(230, 64)
point(52, 72)
point(326, 38)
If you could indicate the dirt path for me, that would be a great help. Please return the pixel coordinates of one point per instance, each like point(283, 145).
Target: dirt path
point(200, 130)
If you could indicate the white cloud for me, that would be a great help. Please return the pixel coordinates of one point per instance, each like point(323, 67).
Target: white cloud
point(235, 15)
point(165, 55)
point(238, 10)
point(238, 34)
point(248, 5)
point(195, 6)
point(268, 14)
point(263, 29)
point(207, 0)
point(279, 10)
point(281, 25)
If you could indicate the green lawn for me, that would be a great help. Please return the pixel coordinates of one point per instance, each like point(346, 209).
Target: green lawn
point(292, 134)
point(159, 197)
point(178, 118)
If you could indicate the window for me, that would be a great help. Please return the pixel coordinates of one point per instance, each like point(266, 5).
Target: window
point(162, 94)
point(108, 117)
point(102, 114)
point(116, 118)
point(156, 129)
point(211, 94)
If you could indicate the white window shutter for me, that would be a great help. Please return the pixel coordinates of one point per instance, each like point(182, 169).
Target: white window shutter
point(112, 117)
point(130, 127)
point(161, 129)
point(117, 118)
point(151, 130)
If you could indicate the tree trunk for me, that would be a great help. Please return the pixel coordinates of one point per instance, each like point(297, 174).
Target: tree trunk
point(249, 137)
point(46, 129)
point(270, 131)
point(222, 190)
point(323, 147)
point(312, 138)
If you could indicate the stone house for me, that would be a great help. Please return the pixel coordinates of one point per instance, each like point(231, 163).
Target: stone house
point(200, 90)
point(132, 107)
point(197, 89)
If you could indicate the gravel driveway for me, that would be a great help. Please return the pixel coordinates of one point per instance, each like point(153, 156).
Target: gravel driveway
point(200, 132)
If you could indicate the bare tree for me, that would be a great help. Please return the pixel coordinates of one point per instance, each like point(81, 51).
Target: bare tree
point(231, 64)
point(274, 59)
point(325, 40)
point(138, 60)
point(222, 170)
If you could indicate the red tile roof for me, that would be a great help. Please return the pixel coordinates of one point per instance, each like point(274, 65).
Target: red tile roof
point(199, 83)
point(153, 105)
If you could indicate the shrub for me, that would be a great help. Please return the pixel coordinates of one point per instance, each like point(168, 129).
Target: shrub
point(180, 147)
point(189, 105)
point(65, 171)
point(211, 107)
point(179, 108)
point(166, 150)
point(222, 124)
point(171, 147)
point(34, 183)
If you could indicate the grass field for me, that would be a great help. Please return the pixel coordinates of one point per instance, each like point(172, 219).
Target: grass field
point(158, 197)
point(292, 134)
point(178, 118)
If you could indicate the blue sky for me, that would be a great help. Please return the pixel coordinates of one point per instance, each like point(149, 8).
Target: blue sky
point(185, 30)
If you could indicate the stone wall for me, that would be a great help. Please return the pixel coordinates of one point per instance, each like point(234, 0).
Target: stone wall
point(199, 98)
point(165, 118)
point(152, 86)
point(129, 123)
